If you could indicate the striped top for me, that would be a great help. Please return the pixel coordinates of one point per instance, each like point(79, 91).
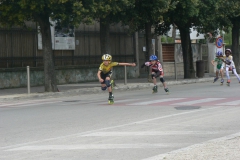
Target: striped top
point(156, 67)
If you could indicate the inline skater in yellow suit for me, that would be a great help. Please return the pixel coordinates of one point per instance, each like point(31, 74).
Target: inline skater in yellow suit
point(105, 72)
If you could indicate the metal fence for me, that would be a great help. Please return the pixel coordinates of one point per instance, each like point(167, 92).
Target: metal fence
point(19, 48)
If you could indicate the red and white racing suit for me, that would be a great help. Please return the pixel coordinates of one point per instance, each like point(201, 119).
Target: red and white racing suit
point(156, 68)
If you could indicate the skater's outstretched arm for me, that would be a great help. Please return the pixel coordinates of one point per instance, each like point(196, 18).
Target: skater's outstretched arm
point(227, 62)
point(127, 64)
point(213, 62)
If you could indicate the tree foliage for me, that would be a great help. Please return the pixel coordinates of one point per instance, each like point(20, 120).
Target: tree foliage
point(107, 13)
point(16, 12)
point(229, 17)
point(142, 17)
point(184, 16)
point(197, 14)
point(139, 15)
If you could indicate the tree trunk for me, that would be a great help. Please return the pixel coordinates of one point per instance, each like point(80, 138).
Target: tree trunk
point(189, 71)
point(49, 69)
point(149, 49)
point(235, 45)
point(104, 36)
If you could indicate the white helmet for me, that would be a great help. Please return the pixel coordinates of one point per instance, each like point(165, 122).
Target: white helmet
point(106, 57)
point(228, 50)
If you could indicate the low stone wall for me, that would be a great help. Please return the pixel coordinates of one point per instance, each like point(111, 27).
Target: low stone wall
point(169, 69)
point(17, 77)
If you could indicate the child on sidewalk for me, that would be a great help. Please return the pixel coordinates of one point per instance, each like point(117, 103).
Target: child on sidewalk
point(228, 60)
point(157, 71)
point(105, 72)
point(219, 61)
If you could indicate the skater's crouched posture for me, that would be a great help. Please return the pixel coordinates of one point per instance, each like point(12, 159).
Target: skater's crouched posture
point(157, 71)
point(105, 72)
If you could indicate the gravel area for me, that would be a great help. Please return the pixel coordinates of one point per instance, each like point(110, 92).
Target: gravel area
point(225, 148)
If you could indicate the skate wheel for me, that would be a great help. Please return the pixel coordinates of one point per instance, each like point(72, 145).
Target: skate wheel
point(110, 102)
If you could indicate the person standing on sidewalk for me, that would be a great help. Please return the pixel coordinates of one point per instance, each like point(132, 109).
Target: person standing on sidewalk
point(228, 59)
point(105, 72)
point(219, 69)
point(157, 71)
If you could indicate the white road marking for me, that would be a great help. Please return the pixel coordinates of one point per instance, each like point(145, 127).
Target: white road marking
point(126, 100)
point(148, 133)
point(112, 127)
point(156, 101)
point(12, 104)
point(90, 146)
point(118, 101)
point(121, 101)
point(31, 102)
point(163, 156)
point(28, 104)
point(198, 101)
point(232, 103)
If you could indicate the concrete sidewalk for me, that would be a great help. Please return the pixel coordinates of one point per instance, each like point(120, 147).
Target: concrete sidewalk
point(92, 87)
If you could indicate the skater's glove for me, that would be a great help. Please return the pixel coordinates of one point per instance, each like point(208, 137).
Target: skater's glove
point(142, 65)
point(228, 62)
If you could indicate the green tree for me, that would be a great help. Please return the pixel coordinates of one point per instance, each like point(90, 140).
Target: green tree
point(16, 12)
point(229, 15)
point(143, 15)
point(188, 14)
point(183, 17)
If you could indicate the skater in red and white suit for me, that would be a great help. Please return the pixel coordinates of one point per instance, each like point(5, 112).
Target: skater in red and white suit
point(157, 71)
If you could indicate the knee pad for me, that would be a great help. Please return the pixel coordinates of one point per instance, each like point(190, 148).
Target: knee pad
point(104, 88)
point(153, 75)
point(162, 80)
point(107, 82)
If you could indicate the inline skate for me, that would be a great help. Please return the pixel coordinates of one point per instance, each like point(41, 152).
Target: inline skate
point(111, 97)
point(215, 79)
point(155, 89)
point(166, 90)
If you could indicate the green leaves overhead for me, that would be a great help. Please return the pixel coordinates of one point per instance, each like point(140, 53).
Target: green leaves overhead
point(229, 11)
point(185, 13)
point(146, 11)
point(114, 10)
point(18, 11)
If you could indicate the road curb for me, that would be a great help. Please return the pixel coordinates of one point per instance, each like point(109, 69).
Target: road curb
point(94, 90)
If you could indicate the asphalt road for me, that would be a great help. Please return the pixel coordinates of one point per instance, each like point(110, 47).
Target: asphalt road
point(140, 125)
